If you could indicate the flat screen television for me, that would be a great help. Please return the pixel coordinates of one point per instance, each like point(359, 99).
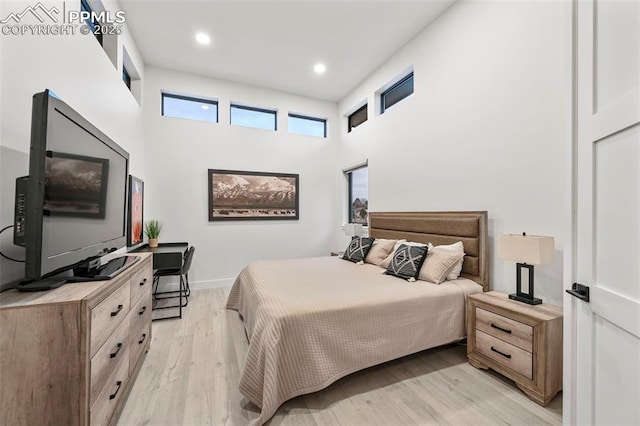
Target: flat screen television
point(71, 209)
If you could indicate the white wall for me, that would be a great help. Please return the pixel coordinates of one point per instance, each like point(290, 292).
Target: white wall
point(179, 152)
point(487, 127)
point(77, 69)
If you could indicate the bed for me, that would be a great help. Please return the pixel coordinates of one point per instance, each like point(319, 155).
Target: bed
point(311, 321)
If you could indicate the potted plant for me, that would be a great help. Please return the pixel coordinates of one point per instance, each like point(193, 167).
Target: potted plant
point(152, 229)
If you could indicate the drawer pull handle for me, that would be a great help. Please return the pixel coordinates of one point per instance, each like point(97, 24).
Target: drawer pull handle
point(506, 330)
point(117, 311)
point(113, 395)
point(144, 308)
point(143, 282)
point(144, 336)
point(501, 353)
point(115, 354)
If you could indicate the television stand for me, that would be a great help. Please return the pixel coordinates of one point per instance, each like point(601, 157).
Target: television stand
point(42, 285)
point(71, 356)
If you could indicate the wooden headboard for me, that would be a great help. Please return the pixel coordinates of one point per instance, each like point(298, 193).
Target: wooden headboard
point(441, 228)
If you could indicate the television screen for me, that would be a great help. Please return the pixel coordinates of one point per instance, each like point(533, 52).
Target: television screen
point(76, 192)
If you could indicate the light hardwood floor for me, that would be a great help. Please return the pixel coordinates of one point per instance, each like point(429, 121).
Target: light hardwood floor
point(191, 374)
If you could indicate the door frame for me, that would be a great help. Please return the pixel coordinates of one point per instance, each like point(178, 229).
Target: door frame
point(570, 320)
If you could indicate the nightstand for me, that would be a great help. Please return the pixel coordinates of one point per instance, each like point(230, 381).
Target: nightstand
point(337, 253)
point(520, 341)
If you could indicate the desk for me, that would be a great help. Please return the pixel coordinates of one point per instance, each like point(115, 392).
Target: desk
point(166, 257)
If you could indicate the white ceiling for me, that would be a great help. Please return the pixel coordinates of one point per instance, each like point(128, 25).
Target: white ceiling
point(274, 44)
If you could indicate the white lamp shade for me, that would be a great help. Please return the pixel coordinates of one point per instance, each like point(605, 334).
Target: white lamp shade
point(530, 249)
point(353, 229)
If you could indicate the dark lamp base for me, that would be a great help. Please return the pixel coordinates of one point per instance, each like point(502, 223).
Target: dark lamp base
point(532, 301)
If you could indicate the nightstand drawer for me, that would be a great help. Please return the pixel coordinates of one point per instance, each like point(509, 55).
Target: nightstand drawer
point(506, 354)
point(511, 331)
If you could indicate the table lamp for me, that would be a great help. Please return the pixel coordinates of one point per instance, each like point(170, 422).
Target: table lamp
point(354, 229)
point(526, 251)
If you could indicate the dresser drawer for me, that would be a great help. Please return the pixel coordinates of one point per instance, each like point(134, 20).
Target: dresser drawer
point(505, 353)
point(141, 313)
point(105, 404)
point(139, 342)
point(104, 362)
point(140, 283)
point(511, 331)
point(106, 316)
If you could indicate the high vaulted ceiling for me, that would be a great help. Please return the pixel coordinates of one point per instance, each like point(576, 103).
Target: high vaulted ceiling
point(275, 44)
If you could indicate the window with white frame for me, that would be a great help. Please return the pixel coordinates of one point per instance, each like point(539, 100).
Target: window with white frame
point(358, 194)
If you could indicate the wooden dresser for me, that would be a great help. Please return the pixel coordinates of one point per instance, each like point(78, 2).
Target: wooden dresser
point(69, 356)
point(522, 342)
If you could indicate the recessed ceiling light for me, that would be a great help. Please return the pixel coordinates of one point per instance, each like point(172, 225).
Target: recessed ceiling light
point(202, 38)
point(319, 68)
point(205, 107)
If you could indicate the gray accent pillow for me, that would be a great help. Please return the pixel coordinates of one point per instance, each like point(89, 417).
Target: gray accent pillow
point(407, 261)
point(357, 249)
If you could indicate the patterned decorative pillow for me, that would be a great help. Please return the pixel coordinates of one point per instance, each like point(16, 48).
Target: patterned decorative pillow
point(385, 263)
point(357, 249)
point(407, 261)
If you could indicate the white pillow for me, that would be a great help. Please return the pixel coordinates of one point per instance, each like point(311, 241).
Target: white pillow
point(438, 264)
point(411, 243)
point(457, 268)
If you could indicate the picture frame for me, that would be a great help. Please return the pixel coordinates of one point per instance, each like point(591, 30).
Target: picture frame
point(135, 212)
point(244, 195)
point(75, 185)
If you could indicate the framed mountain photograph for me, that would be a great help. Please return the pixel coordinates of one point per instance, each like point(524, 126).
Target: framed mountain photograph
point(75, 185)
point(238, 195)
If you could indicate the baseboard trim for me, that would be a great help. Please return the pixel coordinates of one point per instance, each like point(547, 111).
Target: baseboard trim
point(219, 283)
point(198, 285)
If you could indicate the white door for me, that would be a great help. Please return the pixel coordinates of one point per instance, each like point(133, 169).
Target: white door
point(603, 357)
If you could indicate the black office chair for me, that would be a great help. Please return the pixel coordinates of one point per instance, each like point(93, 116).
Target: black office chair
point(184, 290)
